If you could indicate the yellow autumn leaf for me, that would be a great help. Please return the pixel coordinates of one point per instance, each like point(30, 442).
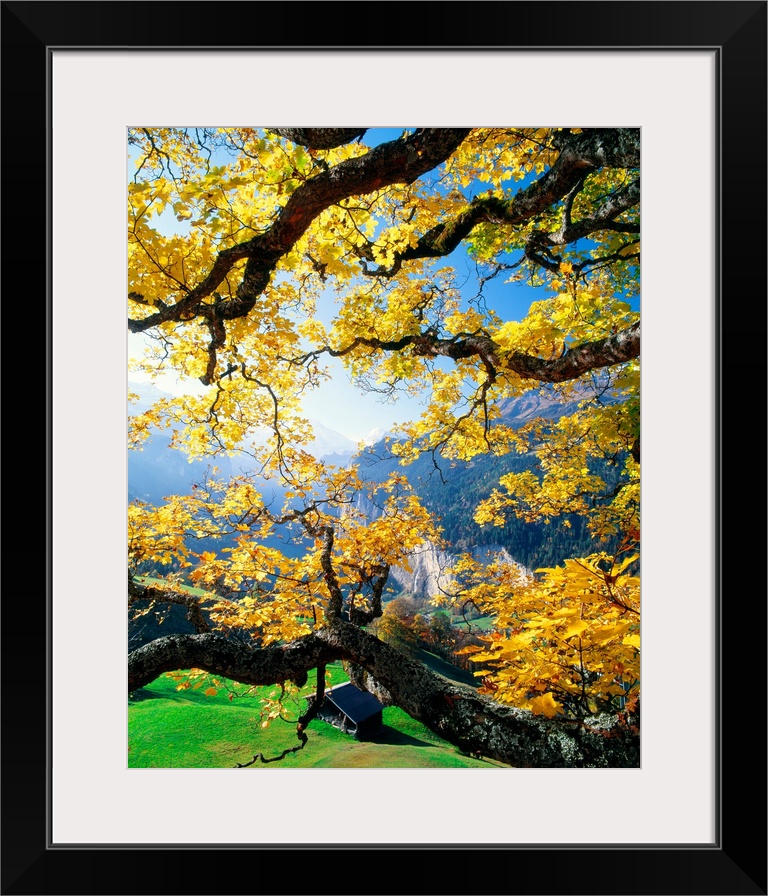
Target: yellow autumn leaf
point(607, 633)
point(546, 705)
point(575, 628)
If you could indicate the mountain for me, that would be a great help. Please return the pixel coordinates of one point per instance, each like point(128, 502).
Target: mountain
point(330, 445)
point(452, 490)
point(158, 470)
point(428, 574)
point(545, 403)
point(376, 435)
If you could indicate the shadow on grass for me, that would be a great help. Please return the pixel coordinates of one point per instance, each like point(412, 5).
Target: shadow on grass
point(397, 738)
point(143, 694)
point(186, 696)
point(446, 669)
point(189, 696)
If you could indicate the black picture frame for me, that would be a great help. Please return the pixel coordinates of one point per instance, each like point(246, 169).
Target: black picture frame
point(736, 863)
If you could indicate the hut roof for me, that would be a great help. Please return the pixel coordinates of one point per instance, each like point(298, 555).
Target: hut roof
point(356, 704)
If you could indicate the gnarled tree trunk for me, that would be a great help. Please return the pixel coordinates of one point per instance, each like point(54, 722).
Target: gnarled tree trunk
point(460, 715)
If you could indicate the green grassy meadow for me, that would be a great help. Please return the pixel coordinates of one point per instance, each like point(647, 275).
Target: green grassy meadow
point(481, 624)
point(170, 728)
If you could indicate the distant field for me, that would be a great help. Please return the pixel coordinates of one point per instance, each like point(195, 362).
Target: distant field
point(187, 729)
point(482, 623)
point(151, 580)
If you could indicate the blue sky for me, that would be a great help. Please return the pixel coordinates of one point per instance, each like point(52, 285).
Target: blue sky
point(343, 407)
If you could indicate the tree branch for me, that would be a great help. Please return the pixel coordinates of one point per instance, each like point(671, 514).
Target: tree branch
point(218, 655)
point(397, 162)
point(460, 715)
point(138, 592)
point(580, 155)
point(301, 725)
point(576, 361)
point(615, 349)
point(320, 138)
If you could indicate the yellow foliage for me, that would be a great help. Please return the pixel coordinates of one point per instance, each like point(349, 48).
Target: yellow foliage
point(570, 634)
point(567, 639)
point(545, 705)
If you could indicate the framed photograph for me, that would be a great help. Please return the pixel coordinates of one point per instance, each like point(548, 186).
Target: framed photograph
point(692, 818)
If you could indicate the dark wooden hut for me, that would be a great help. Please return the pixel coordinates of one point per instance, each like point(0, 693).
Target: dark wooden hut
point(354, 711)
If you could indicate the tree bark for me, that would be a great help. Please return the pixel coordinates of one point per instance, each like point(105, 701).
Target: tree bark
point(465, 718)
point(396, 162)
point(320, 138)
point(403, 161)
point(573, 363)
point(580, 155)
